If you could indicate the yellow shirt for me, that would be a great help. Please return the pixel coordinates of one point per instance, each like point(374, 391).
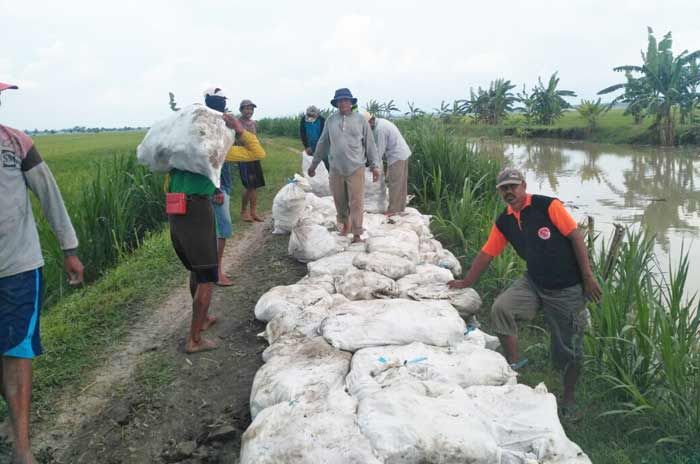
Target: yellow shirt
point(251, 149)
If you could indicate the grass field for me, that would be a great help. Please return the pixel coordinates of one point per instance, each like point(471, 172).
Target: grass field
point(78, 329)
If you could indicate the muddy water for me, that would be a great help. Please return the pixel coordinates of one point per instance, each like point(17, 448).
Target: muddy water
point(655, 188)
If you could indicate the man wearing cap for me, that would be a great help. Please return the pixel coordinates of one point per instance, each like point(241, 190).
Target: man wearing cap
point(194, 233)
point(310, 129)
point(392, 148)
point(251, 172)
point(22, 169)
point(347, 141)
point(558, 279)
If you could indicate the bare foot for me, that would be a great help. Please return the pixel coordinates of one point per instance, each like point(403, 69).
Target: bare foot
point(211, 320)
point(390, 213)
point(224, 281)
point(202, 345)
point(246, 217)
point(357, 239)
point(257, 218)
point(23, 458)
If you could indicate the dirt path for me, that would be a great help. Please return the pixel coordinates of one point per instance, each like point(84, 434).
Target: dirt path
point(152, 403)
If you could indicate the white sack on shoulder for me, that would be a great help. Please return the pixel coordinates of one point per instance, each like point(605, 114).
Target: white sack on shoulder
point(319, 182)
point(305, 431)
point(285, 298)
point(362, 324)
point(357, 284)
point(287, 206)
point(391, 266)
point(313, 370)
point(465, 300)
point(426, 274)
point(464, 365)
point(524, 420)
point(309, 242)
point(194, 139)
point(336, 265)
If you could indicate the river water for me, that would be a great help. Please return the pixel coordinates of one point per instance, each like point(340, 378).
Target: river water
point(655, 188)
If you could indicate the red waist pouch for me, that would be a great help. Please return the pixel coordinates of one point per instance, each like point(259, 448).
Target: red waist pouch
point(175, 203)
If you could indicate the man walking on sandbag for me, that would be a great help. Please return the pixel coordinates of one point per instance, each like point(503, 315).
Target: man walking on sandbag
point(194, 233)
point(558, 279)
point(392, 148)
point(347, 141)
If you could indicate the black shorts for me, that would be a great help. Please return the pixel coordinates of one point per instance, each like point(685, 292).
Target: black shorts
point(194, 238)
point(251, 174)
point(20, 313)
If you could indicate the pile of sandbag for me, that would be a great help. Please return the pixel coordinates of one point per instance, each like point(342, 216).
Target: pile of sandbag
point(194, 139)
point(371, 361)
point(288, 205)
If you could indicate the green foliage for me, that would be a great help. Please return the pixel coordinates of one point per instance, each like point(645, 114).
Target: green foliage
point(665, 84)
point(591, 111)
point(172, 104)
point(381, 110)
point(492, 105)
point(283, 126)
point(413, 111)
point(545, 104)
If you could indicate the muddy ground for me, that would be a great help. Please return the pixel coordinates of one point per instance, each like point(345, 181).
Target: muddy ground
point(155, 404)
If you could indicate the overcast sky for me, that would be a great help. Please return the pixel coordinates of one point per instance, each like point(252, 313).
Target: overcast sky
point(97, 63)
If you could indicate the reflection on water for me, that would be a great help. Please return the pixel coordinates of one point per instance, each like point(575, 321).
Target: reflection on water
point(649, 187)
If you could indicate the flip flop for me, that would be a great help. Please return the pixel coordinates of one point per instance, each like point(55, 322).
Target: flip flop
point(516, 366)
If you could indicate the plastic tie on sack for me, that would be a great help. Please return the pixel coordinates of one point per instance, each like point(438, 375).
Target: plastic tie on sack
point(415, 360)
point(382, 360)
point(470, 328)
point(291, 180)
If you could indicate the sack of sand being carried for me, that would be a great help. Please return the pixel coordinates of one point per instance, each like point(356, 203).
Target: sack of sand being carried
point(194, 139)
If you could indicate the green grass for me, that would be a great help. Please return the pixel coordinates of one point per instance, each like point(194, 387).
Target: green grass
point(155, 372)
point(81, 328)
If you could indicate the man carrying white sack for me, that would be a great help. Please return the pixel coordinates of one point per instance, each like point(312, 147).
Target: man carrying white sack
point(558, 280)
point(347, 141)
point(392, 148)
point(194, 233)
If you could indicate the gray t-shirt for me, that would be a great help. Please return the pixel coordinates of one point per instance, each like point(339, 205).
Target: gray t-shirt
point(21, 170)
point(348, 142)
point(391, 145)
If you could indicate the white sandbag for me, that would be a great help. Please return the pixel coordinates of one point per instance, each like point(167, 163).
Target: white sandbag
point(477, 337)
point(413, 423)
point(371, 222)
point(426, 274)
point(286, 298)
point(357, 284)
point(309, 242)
point(336, 265)
point(313, 370)
point(194, 139)
point(324, 280)
point(392, 266)
point(465, 365)
point(376, 198)
point(432, 252)
point(288, 205)
point(302, 323)
point(524, 420)
point(447, 260)
point(319, 182)
point(305, 431)
point(465, 300)
point(399, 242)
point(416, 222)
point(320, 211)
point(362, 324)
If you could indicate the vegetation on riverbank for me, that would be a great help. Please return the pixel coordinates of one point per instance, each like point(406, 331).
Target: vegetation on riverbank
point(641, 390)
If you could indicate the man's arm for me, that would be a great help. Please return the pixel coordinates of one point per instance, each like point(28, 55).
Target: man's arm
point(479, 265)
point(251, 150)
point(370, 146)
point(42, 183)
point(590, 285)
point(302, 133)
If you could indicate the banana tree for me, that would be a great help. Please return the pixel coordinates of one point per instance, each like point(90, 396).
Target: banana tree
point(548, 101)
point(492, 105)
point(663, 85)
point(591, 111)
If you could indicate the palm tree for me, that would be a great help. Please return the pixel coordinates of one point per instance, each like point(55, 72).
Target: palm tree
point(664, 84)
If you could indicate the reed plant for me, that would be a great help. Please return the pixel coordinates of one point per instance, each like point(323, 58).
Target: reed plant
point(282, 126)
point(111, 213)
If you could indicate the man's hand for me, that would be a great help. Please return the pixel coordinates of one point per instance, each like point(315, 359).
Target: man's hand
point(311, 172)
point(233, 123)
point(375, 174)
point(460, 283)
point(591, 288)
point(309, 151)
point(218, 198)
point(74, 269)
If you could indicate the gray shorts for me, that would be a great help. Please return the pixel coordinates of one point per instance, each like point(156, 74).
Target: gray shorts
point(564, 310)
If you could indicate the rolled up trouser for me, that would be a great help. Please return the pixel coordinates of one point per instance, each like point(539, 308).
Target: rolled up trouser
point(349, 198)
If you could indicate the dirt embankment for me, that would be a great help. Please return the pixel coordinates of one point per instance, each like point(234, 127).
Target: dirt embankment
point(152, 403)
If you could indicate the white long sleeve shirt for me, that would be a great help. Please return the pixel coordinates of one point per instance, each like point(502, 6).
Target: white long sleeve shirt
point(21, 170)
point(391, 145)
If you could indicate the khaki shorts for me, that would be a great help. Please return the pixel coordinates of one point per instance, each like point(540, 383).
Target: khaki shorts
point(564, 310)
